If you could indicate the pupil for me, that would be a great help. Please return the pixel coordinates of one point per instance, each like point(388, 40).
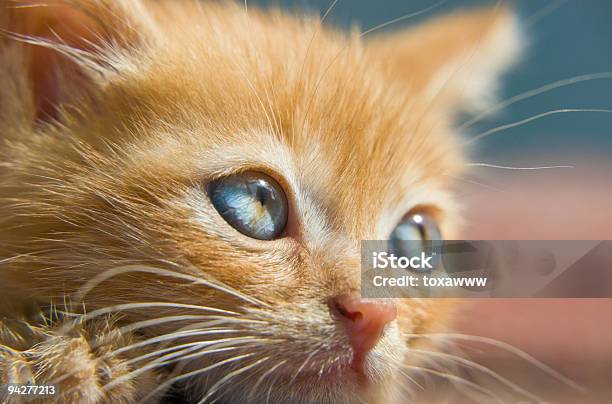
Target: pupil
point(260, 195)
point(422, 231)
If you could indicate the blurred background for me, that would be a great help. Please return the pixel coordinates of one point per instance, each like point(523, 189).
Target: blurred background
point(566, 39)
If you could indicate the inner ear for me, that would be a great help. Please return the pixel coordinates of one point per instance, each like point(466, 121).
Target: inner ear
point(454, 61)
point(51, 72)
point(64, 45)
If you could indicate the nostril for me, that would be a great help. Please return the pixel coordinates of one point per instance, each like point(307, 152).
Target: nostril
point(346, 313)
point(352, 307)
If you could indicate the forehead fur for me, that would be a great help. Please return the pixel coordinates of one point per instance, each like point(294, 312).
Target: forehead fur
point(253, 89)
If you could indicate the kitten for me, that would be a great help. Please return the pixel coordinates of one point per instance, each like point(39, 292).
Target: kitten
point(197, 178)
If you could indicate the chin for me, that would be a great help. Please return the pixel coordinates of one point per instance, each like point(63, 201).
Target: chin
point(330, 379)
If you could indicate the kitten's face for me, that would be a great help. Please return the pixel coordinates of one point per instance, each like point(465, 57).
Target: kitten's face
point(350, 138)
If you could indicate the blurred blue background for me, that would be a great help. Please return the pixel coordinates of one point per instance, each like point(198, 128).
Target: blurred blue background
point(567, 38)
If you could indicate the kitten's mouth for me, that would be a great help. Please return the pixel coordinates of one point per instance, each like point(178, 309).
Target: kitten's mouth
point(346, 381)
point(351, 373)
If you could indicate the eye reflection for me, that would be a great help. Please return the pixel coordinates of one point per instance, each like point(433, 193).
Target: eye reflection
point(253, 203)
point(415, 233)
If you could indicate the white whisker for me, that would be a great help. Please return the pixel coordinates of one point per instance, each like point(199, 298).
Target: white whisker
point(264, 375)
point(197, 372)
point(167, 337)
point(308, 358)
point(132, 306)
point(488, 165)
point(505, 346)
point(188, 347)
point(474, 182)
point(141, 344)
point(531, 93)
point(210, 347)
point(402, 18)
point(95, 281)
point(230, 376)
point(545, 11)
point(155, 364)
point(314, 34)
point(457, 379)
point(530, 119)
point(481, 368)
point(157, 321)
point(412, 380)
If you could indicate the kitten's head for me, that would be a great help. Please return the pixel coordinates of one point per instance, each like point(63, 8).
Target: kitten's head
point(198, 154)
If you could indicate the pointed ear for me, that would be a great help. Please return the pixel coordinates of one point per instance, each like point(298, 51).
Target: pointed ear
point(67, 47)
point(453, 61)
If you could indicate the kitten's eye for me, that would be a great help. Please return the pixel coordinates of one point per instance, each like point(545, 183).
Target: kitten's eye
point(253, 203)
point(416, 226)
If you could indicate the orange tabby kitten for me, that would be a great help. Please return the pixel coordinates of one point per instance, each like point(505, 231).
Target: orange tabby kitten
point(196, 178)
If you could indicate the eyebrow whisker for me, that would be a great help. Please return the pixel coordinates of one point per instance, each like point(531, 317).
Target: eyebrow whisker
point(532, 93)
point(489, 165)
point(532, 118)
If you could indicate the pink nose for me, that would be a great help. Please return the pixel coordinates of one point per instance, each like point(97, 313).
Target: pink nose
point(364, 321)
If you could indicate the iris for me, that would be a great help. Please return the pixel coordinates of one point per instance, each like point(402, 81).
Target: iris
point(253, 203)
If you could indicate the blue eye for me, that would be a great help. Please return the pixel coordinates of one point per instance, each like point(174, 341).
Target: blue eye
point(415, 233)
point(252, 203)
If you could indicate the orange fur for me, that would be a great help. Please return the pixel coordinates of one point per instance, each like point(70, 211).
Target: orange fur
point(107, 150)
